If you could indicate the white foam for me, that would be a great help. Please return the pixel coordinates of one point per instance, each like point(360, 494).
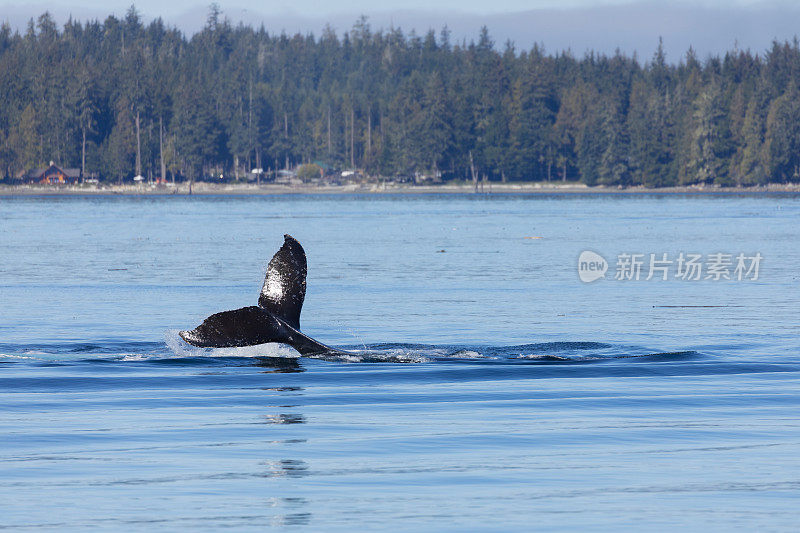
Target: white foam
point(17, 356)
point(544, 356)
point(135, 357)
point(182, 349)
point(259, 350)
point(389, 356)
point(468, 354)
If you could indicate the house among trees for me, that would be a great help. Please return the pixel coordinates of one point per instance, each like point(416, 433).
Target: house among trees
point(390, 104)
point(52, 175)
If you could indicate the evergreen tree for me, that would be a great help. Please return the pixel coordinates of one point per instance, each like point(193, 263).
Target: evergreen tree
point(199, 139)
point(711, 145)
point(120, 146)
point(614, 167)
point(533, 114)
point(752, 167)
point(435, 130)
point(651, 137)
point(122, 97)
point(27, 141)
point(782, 139)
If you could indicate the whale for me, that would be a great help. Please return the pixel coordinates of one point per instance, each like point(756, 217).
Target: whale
point(276, 318)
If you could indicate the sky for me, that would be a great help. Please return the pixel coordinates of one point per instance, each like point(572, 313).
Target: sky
point(316, 8)
point(710, 27)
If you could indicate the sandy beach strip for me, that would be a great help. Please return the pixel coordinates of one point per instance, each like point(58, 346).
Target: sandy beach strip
point(205, 188)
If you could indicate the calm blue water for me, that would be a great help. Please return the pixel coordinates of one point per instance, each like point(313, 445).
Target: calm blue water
point(491, 390)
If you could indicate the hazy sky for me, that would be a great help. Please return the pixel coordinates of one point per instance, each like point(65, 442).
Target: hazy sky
point(709, 26)
point(316, 8)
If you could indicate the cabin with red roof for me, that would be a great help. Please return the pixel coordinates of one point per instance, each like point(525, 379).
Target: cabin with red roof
point(52, 175)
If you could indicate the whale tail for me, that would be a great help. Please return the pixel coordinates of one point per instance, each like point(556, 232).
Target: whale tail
point(284, 286)
point(277, 316)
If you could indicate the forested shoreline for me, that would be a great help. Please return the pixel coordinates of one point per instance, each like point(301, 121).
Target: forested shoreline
point(120, 98)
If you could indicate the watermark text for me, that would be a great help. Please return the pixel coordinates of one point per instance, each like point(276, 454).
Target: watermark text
point(663, 266)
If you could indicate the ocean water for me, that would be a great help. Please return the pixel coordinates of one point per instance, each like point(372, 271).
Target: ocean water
point(490, 388)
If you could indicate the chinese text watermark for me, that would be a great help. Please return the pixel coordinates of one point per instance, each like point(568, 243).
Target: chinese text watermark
point(683, 266)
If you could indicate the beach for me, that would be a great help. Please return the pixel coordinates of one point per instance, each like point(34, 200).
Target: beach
point(208, 188)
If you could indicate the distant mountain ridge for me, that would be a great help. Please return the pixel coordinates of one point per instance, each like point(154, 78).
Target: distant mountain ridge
point(632, 28)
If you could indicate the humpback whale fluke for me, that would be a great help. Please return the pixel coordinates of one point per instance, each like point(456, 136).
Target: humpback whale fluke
point(276, 318)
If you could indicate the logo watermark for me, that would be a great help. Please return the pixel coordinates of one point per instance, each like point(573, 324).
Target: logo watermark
point(591, 266)
point(685, 266)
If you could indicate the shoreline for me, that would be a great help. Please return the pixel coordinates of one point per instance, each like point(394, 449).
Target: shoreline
point(236, 189)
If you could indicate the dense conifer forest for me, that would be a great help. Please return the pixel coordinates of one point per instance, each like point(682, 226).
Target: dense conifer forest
point(121, 98)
